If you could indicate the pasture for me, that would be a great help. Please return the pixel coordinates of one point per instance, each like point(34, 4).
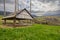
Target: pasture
point(34, 32)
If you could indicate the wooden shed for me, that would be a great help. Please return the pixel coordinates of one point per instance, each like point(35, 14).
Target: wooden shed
point(21, 15)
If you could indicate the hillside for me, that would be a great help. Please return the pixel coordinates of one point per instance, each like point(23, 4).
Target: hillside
point(34, 32)
point(49, 20)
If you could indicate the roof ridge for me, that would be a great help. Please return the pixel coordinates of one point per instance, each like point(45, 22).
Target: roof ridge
point(26, 11)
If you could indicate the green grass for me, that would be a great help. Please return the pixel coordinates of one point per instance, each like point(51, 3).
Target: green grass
point(34, 32)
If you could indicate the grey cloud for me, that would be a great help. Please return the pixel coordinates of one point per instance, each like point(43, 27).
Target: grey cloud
point(48, 0)
point(1, 1)
point(8, 1)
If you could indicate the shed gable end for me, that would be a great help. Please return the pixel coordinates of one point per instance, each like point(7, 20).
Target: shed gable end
point(24, 14)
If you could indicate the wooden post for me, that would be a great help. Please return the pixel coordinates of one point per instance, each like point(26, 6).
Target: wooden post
point(30, 10)
point(4, 11)
point(19, 21)
point(4, 8)
point(30, 21)
point(15, 6)
point(18, 5)
point(27, 22)
point(14, 21)
point(4, 21)
point(30, 6)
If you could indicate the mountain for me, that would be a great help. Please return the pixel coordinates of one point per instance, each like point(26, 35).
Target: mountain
point(2, 13)
point(52, 13)
point(7, 13)
point(34, 15)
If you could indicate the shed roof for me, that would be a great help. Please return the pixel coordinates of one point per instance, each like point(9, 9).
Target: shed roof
point(14, 15)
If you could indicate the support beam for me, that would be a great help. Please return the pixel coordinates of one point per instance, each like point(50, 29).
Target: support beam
point(19, 21)
point(4, 22)
point(14, 22)
point(15, 6)
point(4, 8)
point(30, 22)
point(30, 6)
point(18, 5)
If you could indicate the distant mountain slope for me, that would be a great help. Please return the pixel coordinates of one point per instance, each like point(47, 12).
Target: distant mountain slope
point(7, 13)
point(52, 13)
point(49, 13)
point(2, 13)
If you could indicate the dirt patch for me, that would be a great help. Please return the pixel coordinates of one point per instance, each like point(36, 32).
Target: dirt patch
point(10, 25)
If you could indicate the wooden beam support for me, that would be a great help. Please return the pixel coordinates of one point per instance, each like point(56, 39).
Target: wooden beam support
point(14, 22)
point(31, 22)
point(19, 21)
point(4, 22)
point(30, 6)
point(4, 8)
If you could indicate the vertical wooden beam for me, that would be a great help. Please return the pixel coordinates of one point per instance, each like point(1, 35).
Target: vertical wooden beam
point(4, 11)
point(30, 9)
point(4, 22)
point(30, 6)
point(27, 22)
point(19, 21)
point(30, 21)
point(4, 8)
point(18, 4)
point(14, 21)
point(15, 6)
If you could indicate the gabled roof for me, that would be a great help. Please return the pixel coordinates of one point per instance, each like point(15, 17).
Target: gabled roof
point(24, 10)
point(13, 16)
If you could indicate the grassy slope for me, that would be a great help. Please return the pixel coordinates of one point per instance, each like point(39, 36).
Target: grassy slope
point(35, 32)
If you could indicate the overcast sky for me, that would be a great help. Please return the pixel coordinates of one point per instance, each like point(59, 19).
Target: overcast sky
point(39, 6)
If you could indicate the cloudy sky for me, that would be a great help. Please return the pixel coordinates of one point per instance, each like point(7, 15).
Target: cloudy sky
point(39, 7)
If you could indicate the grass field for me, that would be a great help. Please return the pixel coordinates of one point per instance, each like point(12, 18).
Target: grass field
point(34, 32)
